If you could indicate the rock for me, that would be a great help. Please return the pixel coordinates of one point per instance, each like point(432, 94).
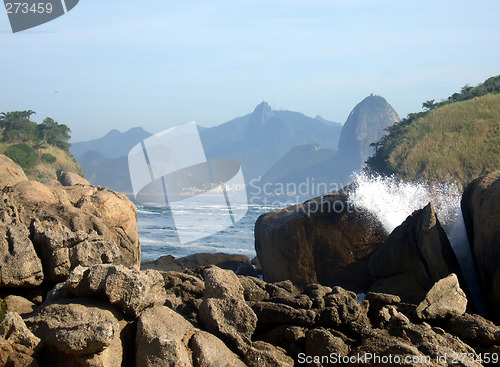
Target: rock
point(316, 293)
point(221, 283)
point(224, 311)
point(474, 330)
point(70, 179)
point(19, 305)
point(183, 285)
point(382, 298)
point(14, 330)
point(323, 240)
point(387, 349)
point(264, 354)
point(162, 339)
point(251, 290)
point(481, 212)
point(10, 172)
point(134, 291)
point(48, 231)
point(434, 343)
point(16, 355)
point(210, 351)
point(415, 256)
point(20, 265)
point(445, 298)
point(269, 313)
point(320, 342)
point(233, 321)
point(131, 290)
point(75, 330)
point(341, 308)
point(240, 264)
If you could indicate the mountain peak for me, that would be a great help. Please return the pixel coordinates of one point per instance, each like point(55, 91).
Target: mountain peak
point(262, 113)
point(365, 125)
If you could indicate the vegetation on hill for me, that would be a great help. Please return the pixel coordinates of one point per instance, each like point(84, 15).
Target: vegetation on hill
point(42, 150)
point(457, 139)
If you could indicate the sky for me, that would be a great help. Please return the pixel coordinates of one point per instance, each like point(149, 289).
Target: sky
point(156, 64)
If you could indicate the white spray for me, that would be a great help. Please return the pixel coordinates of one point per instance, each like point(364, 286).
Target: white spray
point(392, 201)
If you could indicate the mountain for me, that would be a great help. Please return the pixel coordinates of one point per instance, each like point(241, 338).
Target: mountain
point(454, 140)
point(311, 171)
point(256, 140)
point(108, 172)
point(260, 139)
point(113, 145)
point(365, 125)
point(299, 158)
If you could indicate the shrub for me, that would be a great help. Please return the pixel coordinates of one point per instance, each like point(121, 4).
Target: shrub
point(22, 154)
point(49, 158)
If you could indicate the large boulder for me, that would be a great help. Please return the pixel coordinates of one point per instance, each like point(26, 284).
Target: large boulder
point(224, 311)
point(20, 265)
point(415, 256)
point(481, 212)
point(45, 232)
point(10, 172)
point(70, 179)
point(324, 240)
point(131, 290)
point(77, 331)
point(162, 339)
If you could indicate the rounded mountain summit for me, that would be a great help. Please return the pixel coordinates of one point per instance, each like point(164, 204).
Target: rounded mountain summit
point(365, 125)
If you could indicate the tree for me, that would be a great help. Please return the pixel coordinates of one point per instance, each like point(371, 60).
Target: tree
point(54, 133)
point(429, 105)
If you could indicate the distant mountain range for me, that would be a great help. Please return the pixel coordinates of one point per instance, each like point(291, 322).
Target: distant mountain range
point(272, 146)
point(256, 140)
point(112, 145)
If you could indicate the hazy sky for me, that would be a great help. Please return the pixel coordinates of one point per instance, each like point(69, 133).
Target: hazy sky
point(119, 64)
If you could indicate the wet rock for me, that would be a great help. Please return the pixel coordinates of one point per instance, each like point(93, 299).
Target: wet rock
point(481, 212)
point(445, 298)
point(415, 256)
point(324, 240)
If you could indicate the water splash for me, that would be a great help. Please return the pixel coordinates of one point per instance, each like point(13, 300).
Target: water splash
point(392, 200)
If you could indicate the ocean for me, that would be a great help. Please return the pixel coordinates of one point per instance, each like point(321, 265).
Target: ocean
point(158, 235)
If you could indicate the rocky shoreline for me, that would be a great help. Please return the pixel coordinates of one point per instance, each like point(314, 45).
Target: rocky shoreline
point(76, 293)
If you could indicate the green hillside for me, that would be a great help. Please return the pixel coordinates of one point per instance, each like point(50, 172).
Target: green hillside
point(454, 140)
point(42, 150)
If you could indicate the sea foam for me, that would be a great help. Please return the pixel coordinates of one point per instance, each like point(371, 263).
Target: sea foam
point(392, 200)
